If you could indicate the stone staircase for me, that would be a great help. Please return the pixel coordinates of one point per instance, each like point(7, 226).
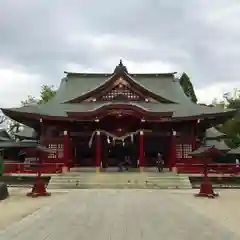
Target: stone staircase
point(119, 180)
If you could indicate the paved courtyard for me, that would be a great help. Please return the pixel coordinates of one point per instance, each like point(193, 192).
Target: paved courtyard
point(128, 214)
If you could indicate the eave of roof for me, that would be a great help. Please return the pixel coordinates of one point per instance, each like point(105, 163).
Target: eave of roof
point(110, 74)
point(61, 110)
point(213, 133)
point(235, 151)
point(220, 145)
point(26, 133)
point(206, 151)
point(20, 144)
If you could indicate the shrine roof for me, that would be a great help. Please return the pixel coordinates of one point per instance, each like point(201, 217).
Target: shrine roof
point(220, 145)
point(20, 144)
point(213, 133)
point(235, 151)
point(200, 150)
point(208, 146)
point(164, 85)
point(26, 133)
point(62, 110)
point(4, 136)
point(164, 88)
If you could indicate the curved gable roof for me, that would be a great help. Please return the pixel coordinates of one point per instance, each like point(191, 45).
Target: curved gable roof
point(76, 85)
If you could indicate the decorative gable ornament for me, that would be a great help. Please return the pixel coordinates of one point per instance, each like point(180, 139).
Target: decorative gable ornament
point(120, 68)
point(120, 92)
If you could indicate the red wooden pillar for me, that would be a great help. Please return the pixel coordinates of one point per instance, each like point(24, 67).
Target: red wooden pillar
point(98, 151)
point(173, 153)
point(141, 151)
point(65, 151)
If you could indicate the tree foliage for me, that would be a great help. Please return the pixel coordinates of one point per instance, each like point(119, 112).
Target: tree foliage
point(231, 100)
point(188, 87)
point(46, 94)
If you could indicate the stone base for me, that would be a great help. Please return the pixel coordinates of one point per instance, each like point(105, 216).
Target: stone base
point(206, 190)
point(39, 189)
point(65, 169)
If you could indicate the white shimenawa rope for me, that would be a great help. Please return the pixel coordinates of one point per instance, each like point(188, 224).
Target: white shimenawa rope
point(115, 137)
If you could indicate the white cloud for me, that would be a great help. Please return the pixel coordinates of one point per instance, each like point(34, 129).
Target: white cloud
point(200, 38)
point(16, 85)
point(208, 93)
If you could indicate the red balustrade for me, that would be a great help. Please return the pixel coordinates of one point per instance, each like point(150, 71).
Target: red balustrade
point(218, 168)
point(17, 167)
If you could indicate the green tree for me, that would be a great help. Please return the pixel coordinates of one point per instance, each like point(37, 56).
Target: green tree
point(231, 127)
point(46, 94)
point(188, 87)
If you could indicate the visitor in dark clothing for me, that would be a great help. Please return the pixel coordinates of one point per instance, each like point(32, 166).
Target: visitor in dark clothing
point(159, 162)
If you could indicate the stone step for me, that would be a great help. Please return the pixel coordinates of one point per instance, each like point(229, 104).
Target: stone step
point(118, 185)
point(119, 180)
point(117, 177)
point(114, 169)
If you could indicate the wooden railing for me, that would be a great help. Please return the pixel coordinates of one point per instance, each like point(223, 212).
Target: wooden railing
point(17, 167)
point(219, 168)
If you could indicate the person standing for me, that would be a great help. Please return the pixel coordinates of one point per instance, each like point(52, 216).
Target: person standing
point(159, 162)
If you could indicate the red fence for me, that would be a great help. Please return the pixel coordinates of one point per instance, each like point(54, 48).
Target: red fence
point(220, 168)
point(16, 167)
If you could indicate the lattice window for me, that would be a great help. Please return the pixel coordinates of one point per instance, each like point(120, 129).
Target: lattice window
point(187, 148)
point(60, 151)
point(120, 92)
point(179, 151)
point(182, 150)
point(52, 155)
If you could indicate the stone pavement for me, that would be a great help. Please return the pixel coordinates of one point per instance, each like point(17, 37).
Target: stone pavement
point(118, 214)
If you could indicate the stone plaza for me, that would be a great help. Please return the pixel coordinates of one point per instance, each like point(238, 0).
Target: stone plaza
point(122, 214)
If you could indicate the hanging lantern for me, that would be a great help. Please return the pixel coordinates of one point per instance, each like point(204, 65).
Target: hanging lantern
point(108, 140)
point(123, 143)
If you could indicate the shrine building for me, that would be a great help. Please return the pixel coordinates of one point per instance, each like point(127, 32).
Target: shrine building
point(99, 119)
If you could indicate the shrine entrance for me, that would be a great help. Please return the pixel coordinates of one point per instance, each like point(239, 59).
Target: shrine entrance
point(120, 152)
point(120, 138)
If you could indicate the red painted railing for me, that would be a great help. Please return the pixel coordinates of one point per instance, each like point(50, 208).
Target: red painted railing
point(16, 167)
point(220, 168)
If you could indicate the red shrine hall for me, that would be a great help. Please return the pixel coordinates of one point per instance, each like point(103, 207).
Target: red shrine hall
point(101, 119)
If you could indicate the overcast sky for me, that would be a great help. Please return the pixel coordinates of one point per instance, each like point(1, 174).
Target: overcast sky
point(39, 40)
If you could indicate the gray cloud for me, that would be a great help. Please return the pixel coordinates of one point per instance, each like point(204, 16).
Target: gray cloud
point(199, 37)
